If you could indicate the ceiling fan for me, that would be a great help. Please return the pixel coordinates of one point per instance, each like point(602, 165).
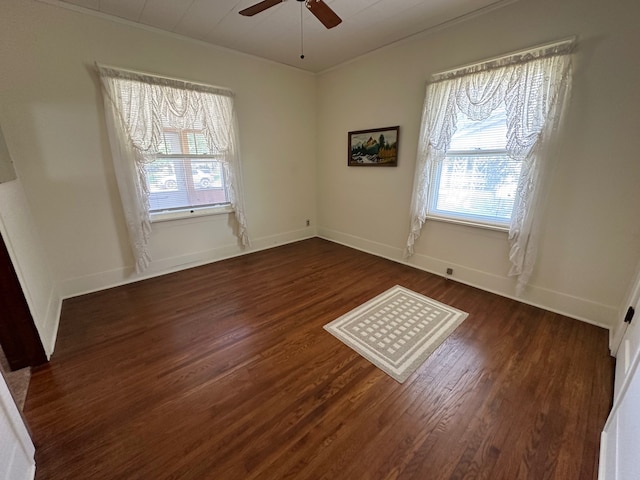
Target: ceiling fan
point(321, 10)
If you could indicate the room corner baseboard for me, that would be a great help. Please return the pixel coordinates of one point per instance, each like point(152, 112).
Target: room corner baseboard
point(120, 276)
point(571, 306)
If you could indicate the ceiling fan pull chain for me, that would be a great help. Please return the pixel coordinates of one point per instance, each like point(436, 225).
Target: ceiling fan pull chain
point(301, 32)
point(318, 8)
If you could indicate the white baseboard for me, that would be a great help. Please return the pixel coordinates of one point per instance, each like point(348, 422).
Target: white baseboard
point(121, 276)
point(51, 322)
point(575, 307)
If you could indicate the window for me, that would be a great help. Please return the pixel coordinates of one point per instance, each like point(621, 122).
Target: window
point(185, 175)
point(483, 153)
point(175, 152)
point(476, 181)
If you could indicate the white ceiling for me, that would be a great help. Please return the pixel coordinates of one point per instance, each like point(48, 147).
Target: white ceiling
point(275, 33)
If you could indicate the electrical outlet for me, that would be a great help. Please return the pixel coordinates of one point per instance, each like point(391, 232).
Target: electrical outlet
point(449, 271)
point(308, 222)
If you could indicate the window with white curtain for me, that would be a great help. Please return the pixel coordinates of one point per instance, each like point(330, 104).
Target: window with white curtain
point(476, 181)
point(483, 153)
point(185, 174)
point(175, 151)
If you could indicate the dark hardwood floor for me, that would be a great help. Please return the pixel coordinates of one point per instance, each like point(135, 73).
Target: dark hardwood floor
point(224, 372)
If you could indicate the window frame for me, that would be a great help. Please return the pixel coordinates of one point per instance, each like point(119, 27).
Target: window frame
point(450, 216)
point(478, 143)
point(191, 210)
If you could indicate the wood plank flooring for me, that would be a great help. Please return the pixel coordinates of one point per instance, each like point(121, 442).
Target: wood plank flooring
point(224, 372)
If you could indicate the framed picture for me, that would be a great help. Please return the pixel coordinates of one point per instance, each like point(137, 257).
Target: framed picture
point(377, 147)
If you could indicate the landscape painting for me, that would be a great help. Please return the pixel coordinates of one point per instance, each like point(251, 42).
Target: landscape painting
point(377, 147)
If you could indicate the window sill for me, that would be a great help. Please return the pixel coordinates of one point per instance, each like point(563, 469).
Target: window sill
point(468, 223)
point(190, 213)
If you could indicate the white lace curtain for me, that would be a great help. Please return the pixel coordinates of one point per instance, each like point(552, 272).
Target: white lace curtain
point(533, 87)
point(138, 107)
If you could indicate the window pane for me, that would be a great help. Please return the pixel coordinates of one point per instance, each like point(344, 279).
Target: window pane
point(171, 143)
point(161, 175)
point(179, 183)
point(478, 188)
point(197, 144)
point(477, 180)
point(206, 174)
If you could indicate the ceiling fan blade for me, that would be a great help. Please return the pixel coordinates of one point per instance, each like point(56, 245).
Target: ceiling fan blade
point(259, 7)
point(323, 12)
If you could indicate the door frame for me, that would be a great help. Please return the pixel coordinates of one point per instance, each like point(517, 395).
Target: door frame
point(632, 299)
point(19, 337)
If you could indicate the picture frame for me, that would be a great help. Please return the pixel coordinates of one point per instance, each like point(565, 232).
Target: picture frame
point(365, 149)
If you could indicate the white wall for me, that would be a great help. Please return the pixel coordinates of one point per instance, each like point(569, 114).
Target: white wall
point(589, 246)
point(52, 118)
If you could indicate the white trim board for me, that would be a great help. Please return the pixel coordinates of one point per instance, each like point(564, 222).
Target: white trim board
point(121, 276)
point(575, 307)
point(570, 306)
